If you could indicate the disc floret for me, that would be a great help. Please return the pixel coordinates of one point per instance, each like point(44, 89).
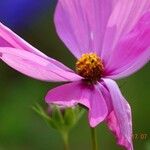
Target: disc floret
point(90, 67)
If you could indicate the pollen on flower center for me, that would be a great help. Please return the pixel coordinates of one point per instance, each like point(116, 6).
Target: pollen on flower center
point(90, 67)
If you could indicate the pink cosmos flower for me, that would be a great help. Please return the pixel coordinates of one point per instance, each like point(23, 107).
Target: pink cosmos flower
point(109, 38)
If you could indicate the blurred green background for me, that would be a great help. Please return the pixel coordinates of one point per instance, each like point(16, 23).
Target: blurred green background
point(22, 129)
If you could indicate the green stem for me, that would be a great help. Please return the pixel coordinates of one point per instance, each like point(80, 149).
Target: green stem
point(94, 139)
point(65, 138)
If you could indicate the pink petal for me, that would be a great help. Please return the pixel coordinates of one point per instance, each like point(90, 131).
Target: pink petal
point(12, 49)
point(132, 51)
point(98, 110)
point(82, 93)
point(81, 24)
point(119, 120)
point(69, 94)
point(9, 39)
point(102, 87)
point(122, 20)
point(36, 66)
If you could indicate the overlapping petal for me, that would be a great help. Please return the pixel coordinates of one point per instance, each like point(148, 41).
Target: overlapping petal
point(23, 57)
point(81, 24)
point(36, 66)
point(9, 39)
point(82, 93)
point(119, 120)
point(125, 15)
point(98, 107)
point(132, 51)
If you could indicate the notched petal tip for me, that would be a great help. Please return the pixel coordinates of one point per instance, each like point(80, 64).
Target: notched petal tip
point(93, 122)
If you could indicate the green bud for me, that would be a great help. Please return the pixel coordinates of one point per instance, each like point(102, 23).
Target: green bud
point(60, 118)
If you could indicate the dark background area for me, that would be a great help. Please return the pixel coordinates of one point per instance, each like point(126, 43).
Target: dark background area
point(20, 127)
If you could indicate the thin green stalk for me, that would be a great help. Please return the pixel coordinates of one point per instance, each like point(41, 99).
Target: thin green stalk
point(94, 139)
point(65, 138)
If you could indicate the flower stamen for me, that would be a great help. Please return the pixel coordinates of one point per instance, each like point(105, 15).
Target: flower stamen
point(90, 67)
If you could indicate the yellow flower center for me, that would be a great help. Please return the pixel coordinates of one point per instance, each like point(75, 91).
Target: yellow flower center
point(90, 67)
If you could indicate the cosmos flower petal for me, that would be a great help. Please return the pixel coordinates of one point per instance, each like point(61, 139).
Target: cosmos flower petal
point(105, 92)
point(36, 66)
point(125, 15)
point(81, 24)
point(70, 94)
point(80, 93)
point(119, 120)
point(98, 107)
point(132, 52)
point(10, 39)
point(13, 45)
